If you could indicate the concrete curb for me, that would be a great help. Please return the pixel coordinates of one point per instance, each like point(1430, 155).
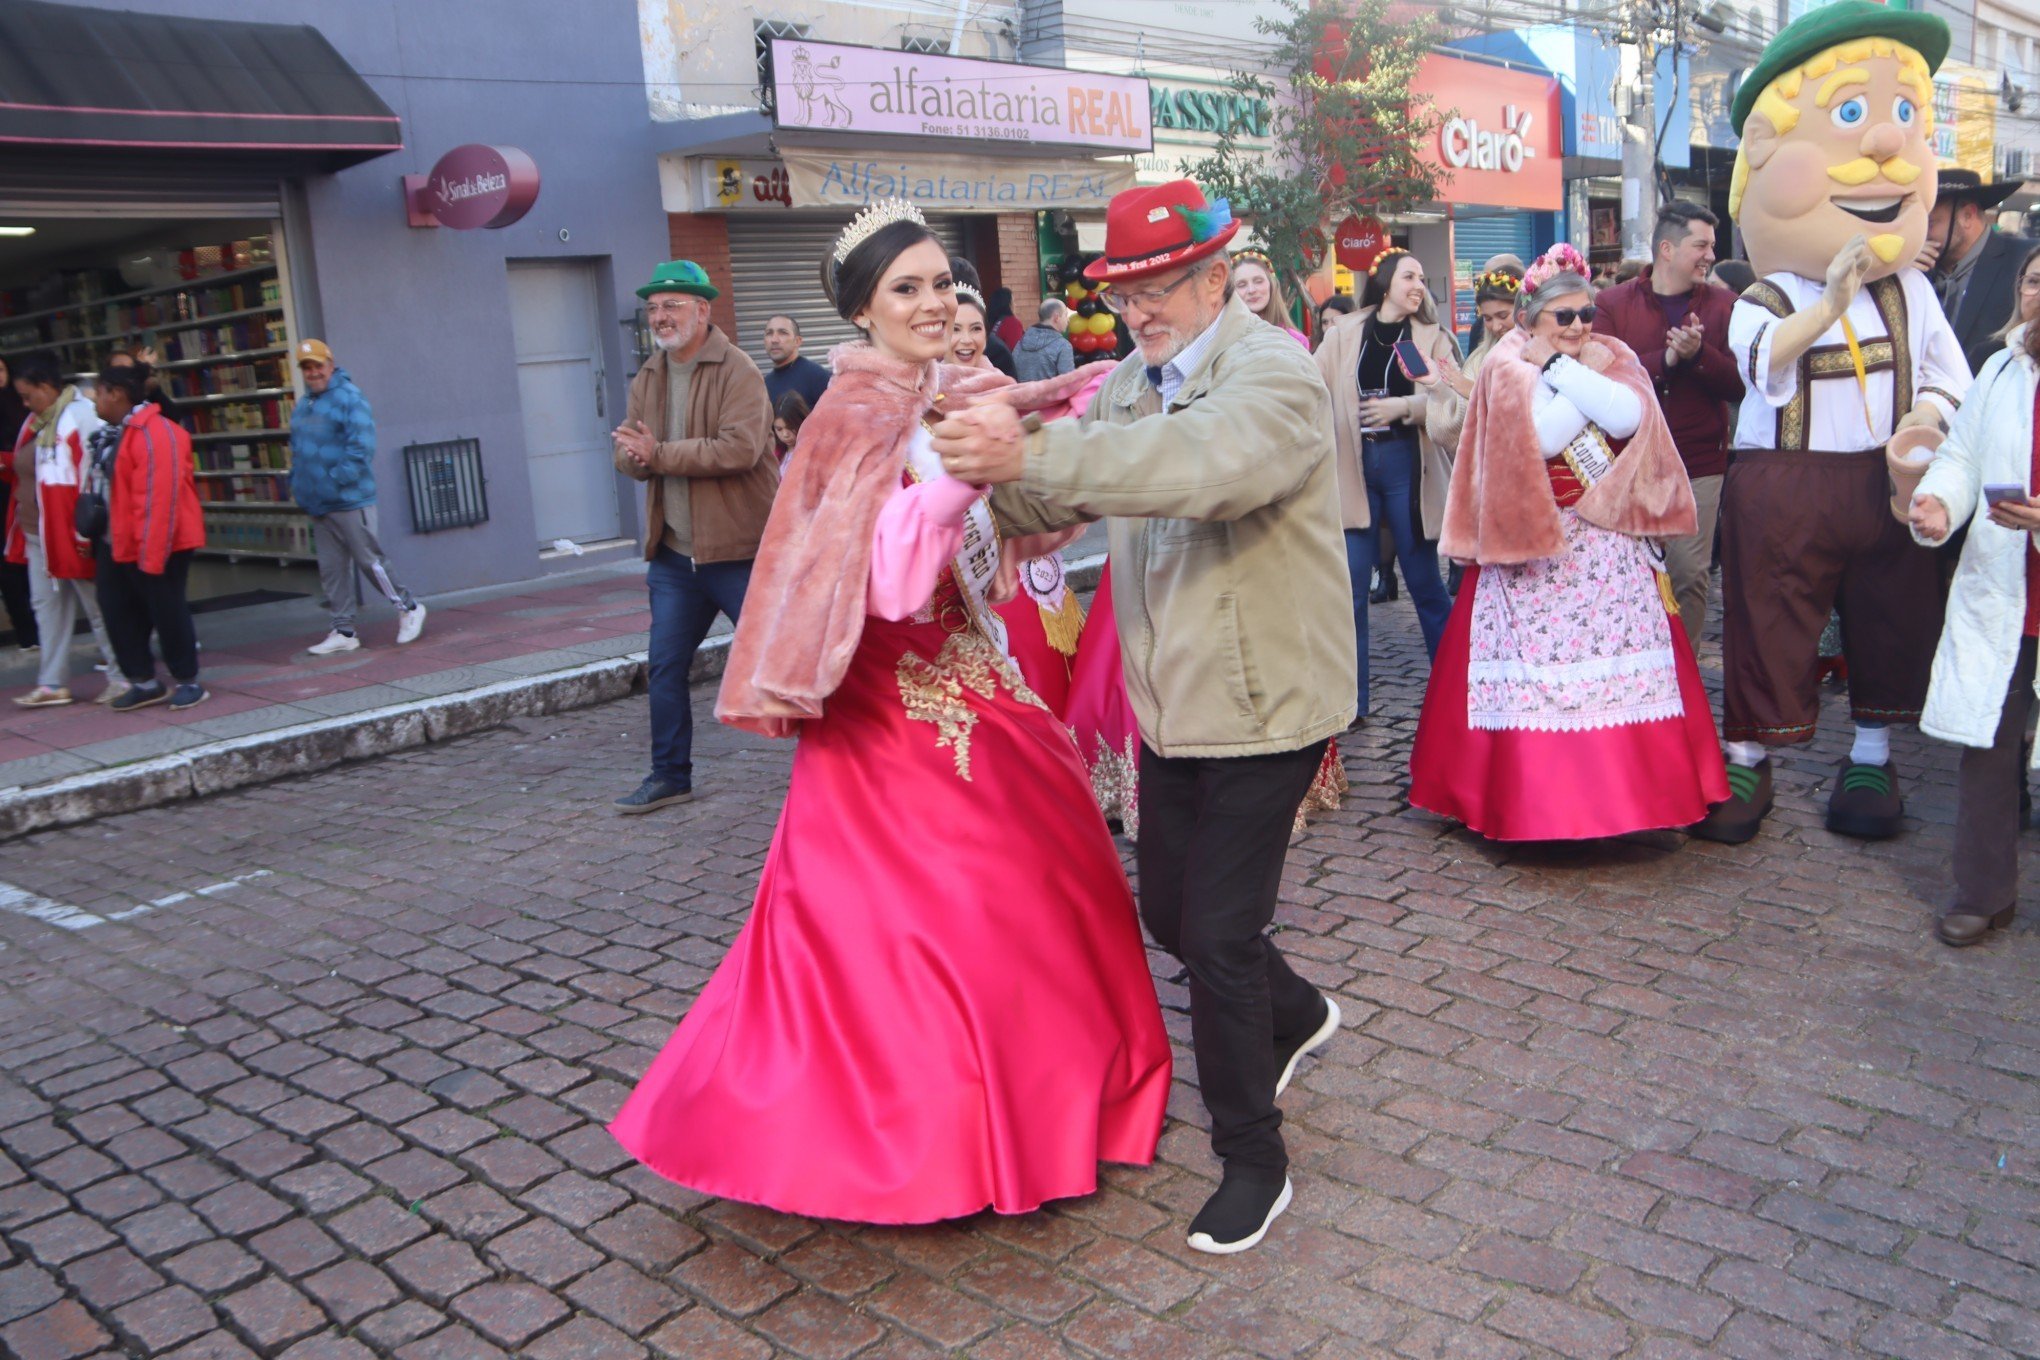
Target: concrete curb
point(307, 748)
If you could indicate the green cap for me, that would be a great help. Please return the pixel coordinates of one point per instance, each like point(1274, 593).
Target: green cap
point(680, 276)
point(1817, 30)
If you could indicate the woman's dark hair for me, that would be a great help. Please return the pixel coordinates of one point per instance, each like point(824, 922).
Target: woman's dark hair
point(1381, 276)
point(2018, 313)
point(793, 409)
point(130, 380)
point(1339, 303)
point(850, 284)
point(999, 305)
point(38, 373)
point(1735, 275)
point(963, 271)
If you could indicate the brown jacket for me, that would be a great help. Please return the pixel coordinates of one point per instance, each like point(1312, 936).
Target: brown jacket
point(1338, 360)
point(726, 456)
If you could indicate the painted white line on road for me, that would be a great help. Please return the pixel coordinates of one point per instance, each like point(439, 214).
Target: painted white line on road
point(22, 902)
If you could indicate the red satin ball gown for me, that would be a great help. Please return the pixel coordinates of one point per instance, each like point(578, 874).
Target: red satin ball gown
point(1101, 719)
point(1044, 639)
point(941, 1001)
point(1625, 743)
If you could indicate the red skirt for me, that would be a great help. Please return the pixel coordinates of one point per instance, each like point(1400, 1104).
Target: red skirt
point(1046, 670)
point(1520, 785)
point(941, 1001)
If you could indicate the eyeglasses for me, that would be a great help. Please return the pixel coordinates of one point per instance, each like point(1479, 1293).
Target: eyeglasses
point(668, 308)
point(1149, 302)
point(1565, 316)
point(2030, 284)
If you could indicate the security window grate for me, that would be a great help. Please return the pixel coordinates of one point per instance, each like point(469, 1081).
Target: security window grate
point(448, 490)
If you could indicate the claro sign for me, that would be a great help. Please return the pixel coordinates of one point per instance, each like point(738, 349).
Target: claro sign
point(1500, 142)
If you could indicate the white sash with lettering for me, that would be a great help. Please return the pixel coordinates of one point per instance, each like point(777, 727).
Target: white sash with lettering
point(977, 562)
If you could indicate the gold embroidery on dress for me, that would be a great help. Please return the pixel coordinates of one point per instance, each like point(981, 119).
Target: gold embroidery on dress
point(933, 690)
point(1115, 784)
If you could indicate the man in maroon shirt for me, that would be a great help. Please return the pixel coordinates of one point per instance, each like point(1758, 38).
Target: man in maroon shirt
point(1677, 322)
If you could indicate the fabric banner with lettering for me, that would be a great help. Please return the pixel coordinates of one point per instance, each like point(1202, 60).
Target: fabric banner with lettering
point(827, 179)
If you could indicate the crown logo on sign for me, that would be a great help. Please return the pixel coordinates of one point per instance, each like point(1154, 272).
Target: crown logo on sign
point(883, 212)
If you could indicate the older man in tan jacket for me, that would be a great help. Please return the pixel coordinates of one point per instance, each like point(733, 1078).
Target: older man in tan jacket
point(1210, 452)
point(698, 435)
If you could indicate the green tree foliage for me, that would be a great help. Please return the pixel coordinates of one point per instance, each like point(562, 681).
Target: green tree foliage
point(1347, 128)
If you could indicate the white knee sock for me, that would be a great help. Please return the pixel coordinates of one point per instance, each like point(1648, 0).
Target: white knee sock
point(1748, 754)
point(1873, 745)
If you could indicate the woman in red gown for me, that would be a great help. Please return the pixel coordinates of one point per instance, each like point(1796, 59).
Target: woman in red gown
point(1565, 703)
point(941, 1001)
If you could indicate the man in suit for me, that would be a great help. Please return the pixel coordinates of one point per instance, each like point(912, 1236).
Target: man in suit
point(1975, 268)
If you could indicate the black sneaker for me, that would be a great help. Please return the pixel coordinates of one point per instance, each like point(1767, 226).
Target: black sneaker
point(1294, 1051)
point(653, 793)
point(189, 695)
point(1238, 1216)
point(140, 696)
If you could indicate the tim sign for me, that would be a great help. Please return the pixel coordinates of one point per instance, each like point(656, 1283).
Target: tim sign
point(830, 88)
point(473, 186)
point(1499, 143)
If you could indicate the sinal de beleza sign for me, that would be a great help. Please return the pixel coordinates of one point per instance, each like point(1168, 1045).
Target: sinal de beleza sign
point(828, 87)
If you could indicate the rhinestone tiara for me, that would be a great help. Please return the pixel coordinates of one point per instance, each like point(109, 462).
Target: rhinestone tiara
point(964, 290)
point(883, 212)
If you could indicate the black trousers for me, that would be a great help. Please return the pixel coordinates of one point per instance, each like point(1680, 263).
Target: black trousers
point(1987, 786)
point(137, 604)
point(1213, 835)
point(14, 598)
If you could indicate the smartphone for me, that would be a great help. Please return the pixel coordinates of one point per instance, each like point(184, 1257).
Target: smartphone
point(1410, 360)
point(1997, 493)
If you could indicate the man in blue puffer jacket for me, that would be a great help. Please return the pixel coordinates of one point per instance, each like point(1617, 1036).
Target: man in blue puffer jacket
point(332, 476)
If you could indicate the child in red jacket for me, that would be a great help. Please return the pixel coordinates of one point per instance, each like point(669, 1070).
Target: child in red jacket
point(143, 464)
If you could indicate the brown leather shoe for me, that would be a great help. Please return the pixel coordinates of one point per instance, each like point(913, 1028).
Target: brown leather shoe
point(1865, 802)
point(1742, 815)
point(1959, 930)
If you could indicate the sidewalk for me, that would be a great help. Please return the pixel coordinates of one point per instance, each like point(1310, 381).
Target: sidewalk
point(486, 655)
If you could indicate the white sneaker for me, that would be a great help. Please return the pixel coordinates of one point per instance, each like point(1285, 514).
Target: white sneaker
point(410, 623)
point(335, 641)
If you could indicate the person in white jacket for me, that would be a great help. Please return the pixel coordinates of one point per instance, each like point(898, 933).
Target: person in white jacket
point(1982, 688)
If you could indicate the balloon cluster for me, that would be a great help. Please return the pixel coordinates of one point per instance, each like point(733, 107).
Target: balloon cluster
point(1093, 329)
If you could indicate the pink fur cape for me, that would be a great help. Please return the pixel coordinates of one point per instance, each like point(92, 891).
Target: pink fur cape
point(1501, 511)
point(804, 609)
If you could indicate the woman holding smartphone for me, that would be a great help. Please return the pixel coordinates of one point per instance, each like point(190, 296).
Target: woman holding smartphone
point(1383, 363)
point(1981, 693)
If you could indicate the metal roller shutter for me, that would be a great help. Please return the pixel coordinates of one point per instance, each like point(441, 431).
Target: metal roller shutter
point(1477, 239)
point(775, 270)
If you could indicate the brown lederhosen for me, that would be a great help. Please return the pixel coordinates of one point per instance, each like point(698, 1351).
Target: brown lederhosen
point(1804, 532)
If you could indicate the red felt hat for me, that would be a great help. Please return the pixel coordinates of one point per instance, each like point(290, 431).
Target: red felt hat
point(1152, 229)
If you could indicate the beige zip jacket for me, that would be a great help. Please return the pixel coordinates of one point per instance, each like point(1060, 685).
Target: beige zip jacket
point(1338, 359)
point(1229, 564)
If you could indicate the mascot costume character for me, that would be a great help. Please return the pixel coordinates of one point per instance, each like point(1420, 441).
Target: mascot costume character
point(1842, 345)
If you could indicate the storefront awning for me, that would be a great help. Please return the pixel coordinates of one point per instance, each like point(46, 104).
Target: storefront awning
point(101, 79)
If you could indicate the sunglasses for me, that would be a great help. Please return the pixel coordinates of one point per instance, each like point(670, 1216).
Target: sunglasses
point(1565, 316)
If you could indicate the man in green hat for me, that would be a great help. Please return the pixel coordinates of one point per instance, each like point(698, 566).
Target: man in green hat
point(1842, 343)
point(698, 434)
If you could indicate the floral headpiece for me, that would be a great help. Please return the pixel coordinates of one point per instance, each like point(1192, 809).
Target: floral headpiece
point(966, 293)
point(1259, 257)
point(1500, 281)
point(1562, 258)
point(1384, 257)
point(883, 212)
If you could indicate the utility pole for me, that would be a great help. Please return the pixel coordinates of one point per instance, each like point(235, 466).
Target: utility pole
point(1645, 29)
point(1639, 143)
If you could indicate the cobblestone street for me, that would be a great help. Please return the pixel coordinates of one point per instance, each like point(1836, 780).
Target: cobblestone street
point(320, 1069)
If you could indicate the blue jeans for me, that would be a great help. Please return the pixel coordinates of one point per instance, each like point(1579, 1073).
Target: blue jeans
point(686, 597)
point(1394, 504)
